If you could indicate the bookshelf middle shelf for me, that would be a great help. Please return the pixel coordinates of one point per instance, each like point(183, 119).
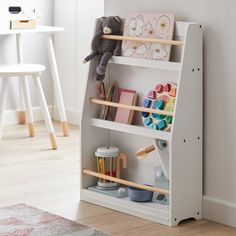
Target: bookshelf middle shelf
point(130, 129)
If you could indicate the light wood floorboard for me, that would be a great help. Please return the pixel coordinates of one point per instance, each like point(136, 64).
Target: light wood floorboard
point(33, 174)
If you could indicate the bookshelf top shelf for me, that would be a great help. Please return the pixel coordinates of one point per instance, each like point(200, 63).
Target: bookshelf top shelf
point(163, 65)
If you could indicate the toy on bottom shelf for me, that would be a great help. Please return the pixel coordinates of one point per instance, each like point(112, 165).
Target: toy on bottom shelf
point(161, 182)
point(109, 163)
point(140, 195)
point(162, 98)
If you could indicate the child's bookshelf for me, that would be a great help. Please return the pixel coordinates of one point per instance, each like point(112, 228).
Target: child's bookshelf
point(183, 156)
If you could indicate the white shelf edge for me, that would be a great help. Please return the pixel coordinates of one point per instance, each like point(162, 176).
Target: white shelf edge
point(164, 65)
point(149, 211)
point(130, 129)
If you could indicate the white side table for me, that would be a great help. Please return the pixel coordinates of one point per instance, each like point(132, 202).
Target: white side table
point(49, 31)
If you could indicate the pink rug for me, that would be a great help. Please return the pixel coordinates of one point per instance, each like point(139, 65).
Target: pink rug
point(23, 220)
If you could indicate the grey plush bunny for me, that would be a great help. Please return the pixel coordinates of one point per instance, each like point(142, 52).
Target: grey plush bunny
point(104, 48)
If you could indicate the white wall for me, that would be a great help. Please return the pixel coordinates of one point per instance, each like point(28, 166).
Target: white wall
point(219, 20)
point(78, 18)
point(34, 49)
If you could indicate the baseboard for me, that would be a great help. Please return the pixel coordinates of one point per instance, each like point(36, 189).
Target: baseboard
point(73, 116)
point(220, 211)
point(11, 116)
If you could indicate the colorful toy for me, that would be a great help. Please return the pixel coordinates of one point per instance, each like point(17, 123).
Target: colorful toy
point(162, 98)
point(109, 163)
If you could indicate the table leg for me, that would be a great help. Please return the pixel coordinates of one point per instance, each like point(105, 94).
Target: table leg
point(22, 111)
point(3, 94)
point(57, 85)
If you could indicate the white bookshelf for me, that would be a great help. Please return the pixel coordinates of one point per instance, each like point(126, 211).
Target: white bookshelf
point(182, 160)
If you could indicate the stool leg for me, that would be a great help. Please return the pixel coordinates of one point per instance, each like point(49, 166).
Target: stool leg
point(22, 113)
point(46, 114)
point(3, 94)
point(28, 107)
point(57, 86)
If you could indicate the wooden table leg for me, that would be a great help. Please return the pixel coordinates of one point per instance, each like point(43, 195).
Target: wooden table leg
point(22, 111)
point(57, 85)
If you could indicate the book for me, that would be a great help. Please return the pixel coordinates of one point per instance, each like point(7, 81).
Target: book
point(127, 97)
point(148, 25)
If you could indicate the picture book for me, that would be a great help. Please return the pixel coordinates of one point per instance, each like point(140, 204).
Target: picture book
point(148, 25)
point(127, 97)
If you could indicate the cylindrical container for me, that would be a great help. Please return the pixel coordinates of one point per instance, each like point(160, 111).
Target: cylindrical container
point(106, 165)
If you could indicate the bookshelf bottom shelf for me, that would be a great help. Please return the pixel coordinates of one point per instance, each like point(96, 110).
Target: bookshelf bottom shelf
point(150, 211)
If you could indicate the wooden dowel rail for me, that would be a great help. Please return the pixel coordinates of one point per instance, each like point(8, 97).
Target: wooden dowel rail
point(143, 40)
point(125, 182)
point(134, 108)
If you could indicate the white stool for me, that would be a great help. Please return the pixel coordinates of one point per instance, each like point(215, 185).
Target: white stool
point(21, 71)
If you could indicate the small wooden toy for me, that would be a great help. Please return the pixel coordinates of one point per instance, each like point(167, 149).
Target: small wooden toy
point(173, 92)
point(143, 152)
point(167, 88)
point(163, 98)
point(159, 88)
point(109, 163)
point(152, 95)
point(147, 103)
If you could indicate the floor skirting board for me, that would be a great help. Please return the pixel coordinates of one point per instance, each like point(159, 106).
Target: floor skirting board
point(11, 116)
point(73, 116)
point(220, 211)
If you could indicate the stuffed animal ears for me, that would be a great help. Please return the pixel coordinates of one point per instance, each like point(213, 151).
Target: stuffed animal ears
point(118, 18)
point(103, 18)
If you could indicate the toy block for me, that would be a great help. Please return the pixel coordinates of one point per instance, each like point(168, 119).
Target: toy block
point(147, 121)
point(152, 95)
point(169, 119)
point(158, 117)
point(173, 92)
point(159, 88)
point(155, 116)
point(145, 114)
point(153, 126)
point(159, 104)
point(147, 103)
point(161, 125)
point(167, 88)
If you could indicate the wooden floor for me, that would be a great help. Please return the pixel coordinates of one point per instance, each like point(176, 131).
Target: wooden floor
point(31, 173)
